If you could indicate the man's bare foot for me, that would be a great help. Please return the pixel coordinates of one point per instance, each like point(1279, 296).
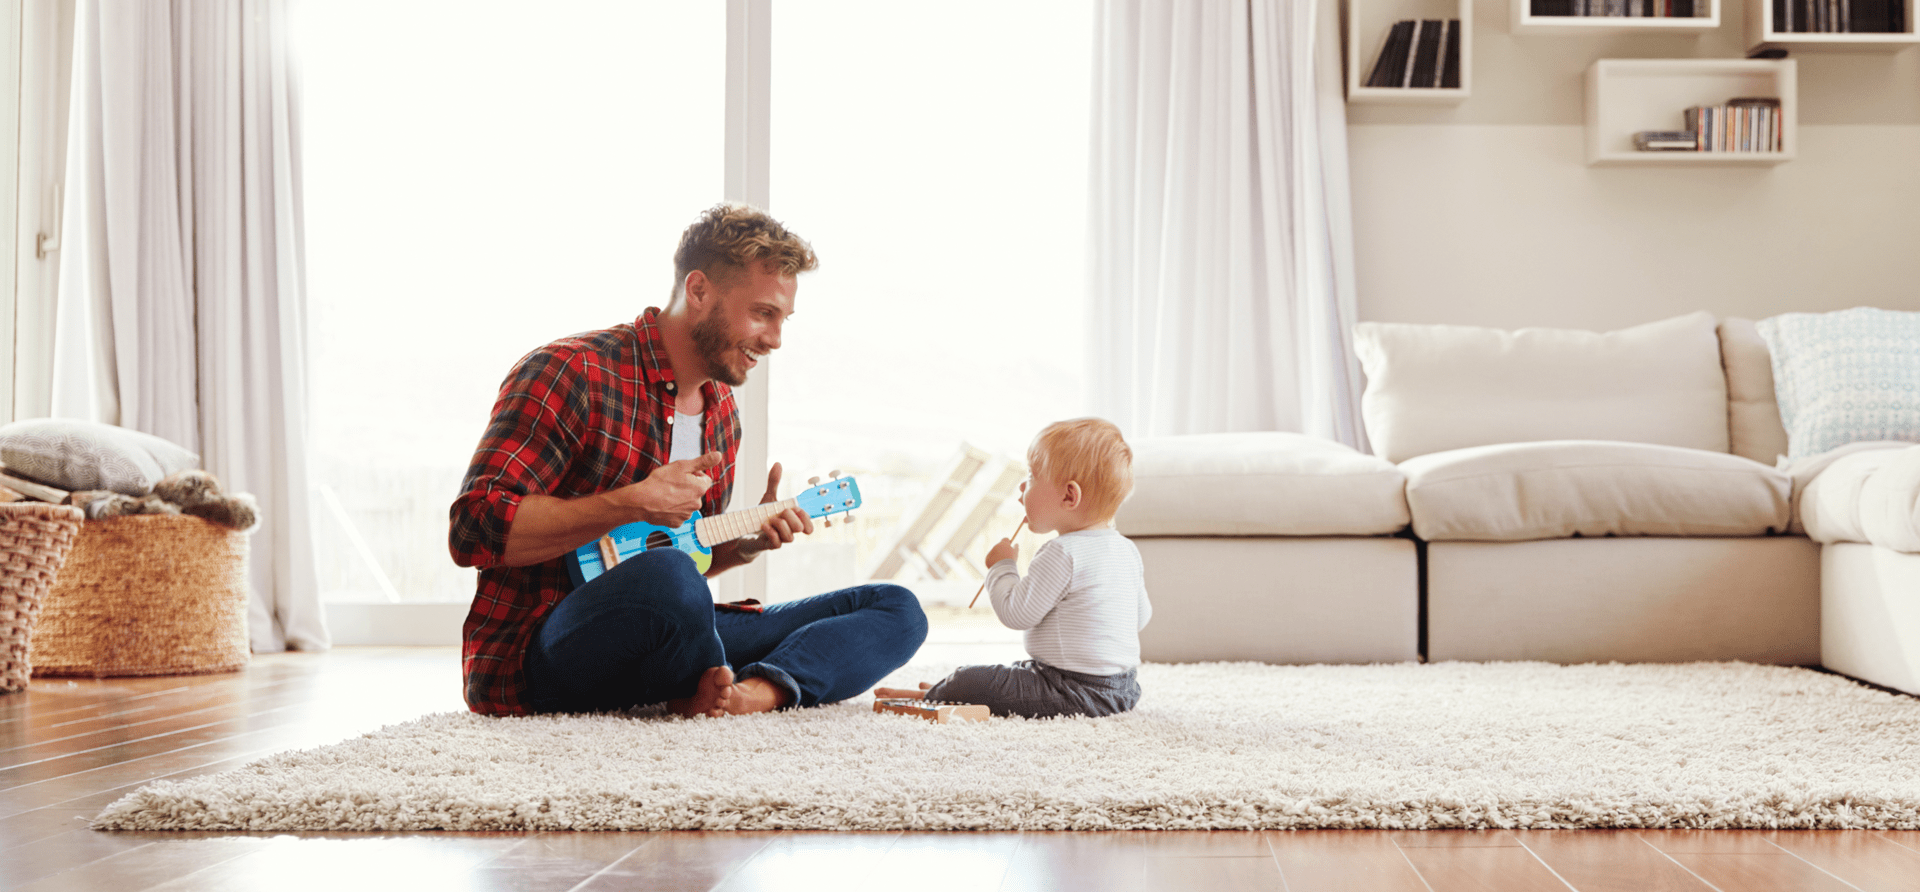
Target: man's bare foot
point(713, 697)
point(719, 695)
point(901, 693)
point(756, 694)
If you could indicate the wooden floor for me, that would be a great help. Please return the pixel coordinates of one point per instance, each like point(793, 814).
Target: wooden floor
point(68, 748)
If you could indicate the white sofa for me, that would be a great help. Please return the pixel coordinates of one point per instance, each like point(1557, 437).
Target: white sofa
point(1862, 504)
point(1563, 496)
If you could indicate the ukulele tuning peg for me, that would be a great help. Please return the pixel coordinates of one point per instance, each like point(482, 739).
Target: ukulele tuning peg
point(826, 522)
point(847, 519)
point(813, 481)
point(834, 474)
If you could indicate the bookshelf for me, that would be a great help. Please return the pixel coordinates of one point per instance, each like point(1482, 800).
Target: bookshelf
point(1762, 34)
point(1525, 22)
point(1368, 23)
point(1625, 96)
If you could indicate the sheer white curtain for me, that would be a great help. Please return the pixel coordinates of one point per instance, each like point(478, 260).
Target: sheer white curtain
point(182, 305)
point(1222, 270)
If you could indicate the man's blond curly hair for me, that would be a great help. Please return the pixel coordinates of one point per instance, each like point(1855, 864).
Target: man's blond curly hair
point(729, 236)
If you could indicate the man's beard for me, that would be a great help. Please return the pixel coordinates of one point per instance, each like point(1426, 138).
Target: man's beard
point(710, 339)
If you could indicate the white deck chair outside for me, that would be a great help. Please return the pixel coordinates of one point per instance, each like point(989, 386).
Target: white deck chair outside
point(919, 523)
point(952, 558)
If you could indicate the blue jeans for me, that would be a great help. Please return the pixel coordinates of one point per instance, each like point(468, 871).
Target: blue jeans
point(644, 633)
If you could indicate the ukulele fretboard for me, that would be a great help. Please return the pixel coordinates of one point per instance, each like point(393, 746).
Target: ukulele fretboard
point(727, 527)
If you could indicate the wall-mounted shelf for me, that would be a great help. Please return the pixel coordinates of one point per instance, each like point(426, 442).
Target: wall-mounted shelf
point(1368, 24)
point(1626, 96)
point(1762, 34)
point(1525, 22)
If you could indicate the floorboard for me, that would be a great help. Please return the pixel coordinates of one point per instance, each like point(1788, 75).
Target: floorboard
point(1343, 860)
point(69, 747)
point(690, 861)
point(1609, 861)
point(1466, 868)
point(1867, 861)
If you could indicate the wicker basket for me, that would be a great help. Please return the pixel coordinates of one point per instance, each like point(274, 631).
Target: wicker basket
point(149, 594)
point(34, 541)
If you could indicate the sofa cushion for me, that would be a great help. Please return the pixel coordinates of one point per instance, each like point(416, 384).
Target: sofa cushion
point(1431, 388)
point(1870, 495)
point(1260, 484)
point(1845, 377)
point(1753, 416)
point(1553, 490)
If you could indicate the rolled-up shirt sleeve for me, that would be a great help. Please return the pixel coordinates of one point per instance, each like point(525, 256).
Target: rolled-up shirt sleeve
point(530, 441)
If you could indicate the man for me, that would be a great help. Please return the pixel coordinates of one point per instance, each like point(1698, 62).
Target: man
point(637, 422)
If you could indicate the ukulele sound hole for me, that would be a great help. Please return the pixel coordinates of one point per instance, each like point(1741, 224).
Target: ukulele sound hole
point(658, 539)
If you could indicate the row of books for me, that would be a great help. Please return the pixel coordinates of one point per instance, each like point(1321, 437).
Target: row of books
point(1419, 53)
point(1750, 124)
point(1666, 9)
point(1746, 124)
point(1840, 16)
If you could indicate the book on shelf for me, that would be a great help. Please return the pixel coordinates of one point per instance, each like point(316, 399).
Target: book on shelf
point(1424, 70)
point(1386, 67)
point(1839, 16)
point(1665, 141)
point(1639, 9)
point(1742, 124)
point(1419, 53)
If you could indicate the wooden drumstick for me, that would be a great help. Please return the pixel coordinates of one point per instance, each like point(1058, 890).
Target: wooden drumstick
point(983, 583)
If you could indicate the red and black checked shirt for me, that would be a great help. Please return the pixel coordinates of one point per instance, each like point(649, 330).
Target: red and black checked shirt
point(582, 415)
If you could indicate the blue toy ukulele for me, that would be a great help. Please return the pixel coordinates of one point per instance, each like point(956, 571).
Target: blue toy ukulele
point(699, 535)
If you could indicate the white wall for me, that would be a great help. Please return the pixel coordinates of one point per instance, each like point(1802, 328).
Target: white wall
point(1486, 213)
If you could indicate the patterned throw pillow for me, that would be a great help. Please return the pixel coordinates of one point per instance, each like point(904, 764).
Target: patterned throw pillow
point(1845, 377)
point(77, 455)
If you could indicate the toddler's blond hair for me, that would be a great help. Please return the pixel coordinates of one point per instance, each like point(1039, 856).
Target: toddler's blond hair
point(1090, 452)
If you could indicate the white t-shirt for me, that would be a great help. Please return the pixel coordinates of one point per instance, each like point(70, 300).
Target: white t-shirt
point(686, 437)
point(1083, 602)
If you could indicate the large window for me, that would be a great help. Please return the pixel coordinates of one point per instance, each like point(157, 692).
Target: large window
point(483, 177)
point(936, 155)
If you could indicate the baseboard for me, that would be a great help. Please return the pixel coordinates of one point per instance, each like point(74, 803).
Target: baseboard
point(389, 624)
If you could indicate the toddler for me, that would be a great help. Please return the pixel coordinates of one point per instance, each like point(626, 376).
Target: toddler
point(1082, 602)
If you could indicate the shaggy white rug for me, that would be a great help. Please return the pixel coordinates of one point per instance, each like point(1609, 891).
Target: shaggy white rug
point(1223, 745)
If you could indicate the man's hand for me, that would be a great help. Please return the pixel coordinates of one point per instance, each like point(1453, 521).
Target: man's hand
point(779, 529)
point(1002, 550)
point(671, 493)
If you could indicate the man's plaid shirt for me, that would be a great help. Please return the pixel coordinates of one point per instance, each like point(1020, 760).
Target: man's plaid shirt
point(582, 415)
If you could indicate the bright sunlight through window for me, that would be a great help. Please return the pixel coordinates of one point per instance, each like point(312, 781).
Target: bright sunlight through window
point(483, 177)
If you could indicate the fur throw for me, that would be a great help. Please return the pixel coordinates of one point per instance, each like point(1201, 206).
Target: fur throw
point(189, 492)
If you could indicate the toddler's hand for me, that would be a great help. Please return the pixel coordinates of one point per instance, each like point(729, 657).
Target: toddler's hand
point(1002, 550)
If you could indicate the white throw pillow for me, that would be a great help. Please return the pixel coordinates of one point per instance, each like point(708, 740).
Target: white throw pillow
point(76, 455)
point(1260, 484)
point(1553, 490)
point(1432, 388)
point(1845, 377)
